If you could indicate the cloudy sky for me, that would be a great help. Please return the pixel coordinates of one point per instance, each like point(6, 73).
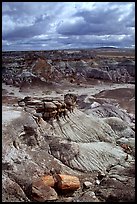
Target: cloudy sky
point(64, 25)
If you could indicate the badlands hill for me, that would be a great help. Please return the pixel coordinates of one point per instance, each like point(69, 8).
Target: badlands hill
point(69, 112)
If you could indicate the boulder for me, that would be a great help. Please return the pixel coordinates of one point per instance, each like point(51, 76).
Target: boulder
point(42, 192)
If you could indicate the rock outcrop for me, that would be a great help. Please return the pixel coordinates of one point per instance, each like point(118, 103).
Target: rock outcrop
point(75, 66)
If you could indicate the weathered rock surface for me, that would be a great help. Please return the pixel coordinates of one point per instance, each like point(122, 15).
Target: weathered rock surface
point(120, 127)
point(11, 191)
point(88, 156)
point(109, 110)
point(118, 191)
point(89, 129)
point(89, 196)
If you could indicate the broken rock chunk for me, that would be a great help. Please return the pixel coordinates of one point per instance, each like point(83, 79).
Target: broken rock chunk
point(41, 191)
point(87, 184)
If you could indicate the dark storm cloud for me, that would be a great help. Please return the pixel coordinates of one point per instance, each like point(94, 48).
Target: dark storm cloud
point(60, 25)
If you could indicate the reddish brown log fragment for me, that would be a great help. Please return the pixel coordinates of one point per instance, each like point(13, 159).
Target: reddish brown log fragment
point(67, 182)
point(48, 180)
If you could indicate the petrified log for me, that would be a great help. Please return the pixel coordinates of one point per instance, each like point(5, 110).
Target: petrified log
point(27, 98)
point(21, 103)
point(47, 99)
point(70, 98)
point(126, 148)
point(50, 106)
point(40, 110)
point(58, 104)
point(33, 102)
point(67, 182)
point(48, 180)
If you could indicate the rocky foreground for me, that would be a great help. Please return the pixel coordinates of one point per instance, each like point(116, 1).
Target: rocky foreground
point(68, 136)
